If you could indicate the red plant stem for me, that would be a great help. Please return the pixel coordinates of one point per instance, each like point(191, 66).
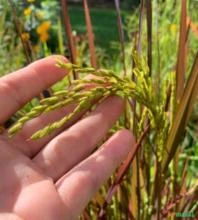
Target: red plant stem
point(181, 57)
point(121, 172)
point(90, 35)
point(68, 30)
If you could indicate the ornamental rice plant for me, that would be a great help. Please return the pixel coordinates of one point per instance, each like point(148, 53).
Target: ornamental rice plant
point(158, 178)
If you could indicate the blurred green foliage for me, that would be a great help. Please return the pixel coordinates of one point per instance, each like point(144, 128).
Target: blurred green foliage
point(11, 53)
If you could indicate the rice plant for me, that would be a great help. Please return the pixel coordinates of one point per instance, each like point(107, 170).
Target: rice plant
point(154, 181)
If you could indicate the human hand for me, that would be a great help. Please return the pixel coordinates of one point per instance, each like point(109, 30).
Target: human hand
point(55, 177)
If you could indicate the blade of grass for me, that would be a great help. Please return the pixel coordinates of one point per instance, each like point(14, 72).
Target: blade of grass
point(135, 178)
point(138, 185)
point(158, 78)
point(60, 37)
point(182, 115)
point(181, 59)
point(149, 33)
point(180, 73)
point(134, 186)
point(135, 200)
point(141, 17)
point(68, 30)
point(18, 29)
point(90, 35)
point(121, 33)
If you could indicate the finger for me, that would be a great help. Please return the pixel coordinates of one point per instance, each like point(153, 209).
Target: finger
point(9, 216)
point(84, 180)
point(76, 143)
point(24, 190)
point(30, 127)
point(21, 86)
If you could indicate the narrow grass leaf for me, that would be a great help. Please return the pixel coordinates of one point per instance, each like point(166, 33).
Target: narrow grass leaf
point(68, 30)
point(182, 115)
point(149, 33)
point(90, 35)
point(121, 33)
point(60, 36)
point(134, 198)
point(181, 60)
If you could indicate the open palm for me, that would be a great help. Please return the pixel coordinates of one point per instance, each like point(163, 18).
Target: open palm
point(55, 177)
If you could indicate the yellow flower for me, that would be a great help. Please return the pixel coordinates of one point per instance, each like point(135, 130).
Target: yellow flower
point(43, 27)
point(25, 36)
point(173, 28)
point(44, 37)
point(42, 31)
point(27, 11)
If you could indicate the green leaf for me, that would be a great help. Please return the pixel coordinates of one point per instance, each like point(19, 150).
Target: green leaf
point(182, 115)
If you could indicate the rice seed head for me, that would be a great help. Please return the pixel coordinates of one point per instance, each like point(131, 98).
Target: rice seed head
point(49, 101)
point(104, 84)
point(15, 129)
